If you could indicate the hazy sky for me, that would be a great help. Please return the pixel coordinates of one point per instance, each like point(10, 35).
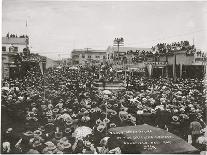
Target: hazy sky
point(57, 27)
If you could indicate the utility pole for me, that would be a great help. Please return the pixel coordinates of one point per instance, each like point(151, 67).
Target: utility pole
point(118, 42)
point(174, 76)
point(86, 51)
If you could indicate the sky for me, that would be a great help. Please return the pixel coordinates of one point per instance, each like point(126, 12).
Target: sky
point(55, 28)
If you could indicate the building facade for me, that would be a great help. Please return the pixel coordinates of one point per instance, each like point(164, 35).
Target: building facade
point(179, 64)
point(130, 58)
point(11, 46)
point(88, 57)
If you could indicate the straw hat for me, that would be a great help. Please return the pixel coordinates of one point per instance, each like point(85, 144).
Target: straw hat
point(49, 113)
point(85, 119)
point(115, 105)
point(104, 141)
point(41, 128)
point(50, 145)
point(98, 121)
point(140, 107)
point(144, 100)
point(83, 109)
point(28, 133)
point(67, 130)
point(112, 125)
point(92, 110)
point(100, 128)
point(88, 144)
point(175, 110)
point(32, 151)
point(55, 110)
point(109, 105)
point(175, 118)
point(33, 104)
point(37, 133)
point(64, 143)
point(106, 120)
point(50, 120)
point(50, 106)
point(58, 135)
point(59, 152)
point(36, 143)
point(113, 112)
point(44, 107)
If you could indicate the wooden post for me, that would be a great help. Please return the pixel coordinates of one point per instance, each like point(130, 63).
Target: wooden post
point(181, 70)
point(174, 68)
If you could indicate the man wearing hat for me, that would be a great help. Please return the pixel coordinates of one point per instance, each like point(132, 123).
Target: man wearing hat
point(89, 148)
point(195, 128)
point(163, 117)
point(64, 145)
point(50, 148)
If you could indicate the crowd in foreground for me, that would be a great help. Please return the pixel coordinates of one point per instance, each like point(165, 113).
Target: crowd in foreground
point(50, 108)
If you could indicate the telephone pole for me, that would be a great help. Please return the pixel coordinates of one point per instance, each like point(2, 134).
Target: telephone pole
point(118, 42)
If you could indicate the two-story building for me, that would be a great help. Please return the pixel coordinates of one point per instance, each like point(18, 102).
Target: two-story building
point(11, 46)
point(88, 56)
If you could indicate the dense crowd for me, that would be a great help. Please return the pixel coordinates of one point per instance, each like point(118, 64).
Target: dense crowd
point(164, 48)
point(24, 56)
point(15, 36)
point(50, 108)
point(161, 49)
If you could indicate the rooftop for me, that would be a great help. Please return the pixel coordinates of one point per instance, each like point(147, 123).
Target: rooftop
point(19, 41)
point(125, 49)
point(88, 51)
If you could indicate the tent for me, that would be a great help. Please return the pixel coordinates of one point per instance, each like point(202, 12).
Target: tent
point(147, 139)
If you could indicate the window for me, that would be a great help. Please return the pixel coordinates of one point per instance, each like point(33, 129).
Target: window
point(3, 48)
point(83, 56)
point(104, 57)
point(89, 56)
point(76, 62)
point(75, 56)
point(15, 49)
point(97, 56)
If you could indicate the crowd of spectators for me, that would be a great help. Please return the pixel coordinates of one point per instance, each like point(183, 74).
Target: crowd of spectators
point(16, 36)
point(50, 107)
point(30, 57)
point(163, 48)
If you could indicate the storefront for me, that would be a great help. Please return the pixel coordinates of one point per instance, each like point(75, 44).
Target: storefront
point(156, 69)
